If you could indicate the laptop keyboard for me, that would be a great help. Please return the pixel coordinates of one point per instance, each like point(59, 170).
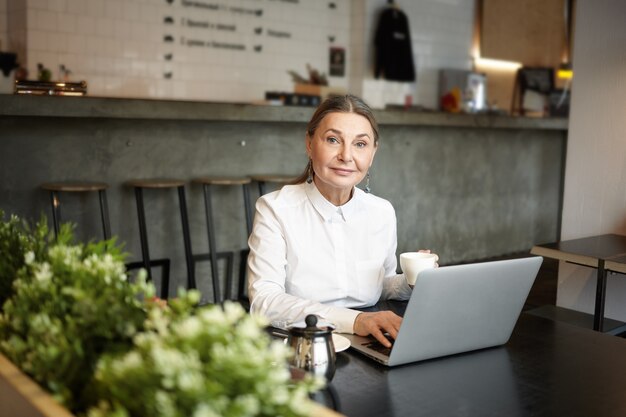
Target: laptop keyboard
point(378, 347)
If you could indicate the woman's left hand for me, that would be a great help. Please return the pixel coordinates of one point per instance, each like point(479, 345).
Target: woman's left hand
point(436, 263)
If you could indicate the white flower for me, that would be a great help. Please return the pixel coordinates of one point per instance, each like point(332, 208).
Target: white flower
point(189, 328)
point(128, 362)
point(249, 329)
point(43, 273)
point(164, 404)
point(250, 405)
point(171, 361)
point(41, 321)
point(129, 329)
point(29, 257)
point(190, 380)
point(233, 312)
point(158, 321)
point(212, 316)
point(204, 410)
point(193, 296)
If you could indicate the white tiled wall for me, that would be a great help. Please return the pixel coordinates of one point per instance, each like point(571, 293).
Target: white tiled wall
point(118, 46)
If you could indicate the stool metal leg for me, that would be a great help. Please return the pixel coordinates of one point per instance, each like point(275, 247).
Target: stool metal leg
point(261, 187)
point(212, 246)
point(104, 212)
point(243, 260)
point(143, 233)
point(56, 212)
point(191, 278)
point(165, 276)
point(243, 264)
point(247, 207)
point(146, 262)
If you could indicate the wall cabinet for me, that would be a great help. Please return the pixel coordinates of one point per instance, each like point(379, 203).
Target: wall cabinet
point(531, 32)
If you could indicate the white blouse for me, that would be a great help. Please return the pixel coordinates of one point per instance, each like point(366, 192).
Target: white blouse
point(308, 256)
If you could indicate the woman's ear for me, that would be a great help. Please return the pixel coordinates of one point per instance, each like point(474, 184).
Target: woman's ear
point(374, 154)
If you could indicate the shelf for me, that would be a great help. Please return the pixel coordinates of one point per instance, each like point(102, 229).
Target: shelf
point(119, 108)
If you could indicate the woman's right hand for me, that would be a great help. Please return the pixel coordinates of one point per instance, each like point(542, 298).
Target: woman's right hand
point(377, 324)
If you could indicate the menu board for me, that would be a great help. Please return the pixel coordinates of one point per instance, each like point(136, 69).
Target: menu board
point(277, 35)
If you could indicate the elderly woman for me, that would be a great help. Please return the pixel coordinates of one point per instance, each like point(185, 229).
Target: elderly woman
point(323, 246)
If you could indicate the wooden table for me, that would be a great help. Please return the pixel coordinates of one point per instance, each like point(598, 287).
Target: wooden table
point(592, 252)
point(546, 369)
point(616, 264)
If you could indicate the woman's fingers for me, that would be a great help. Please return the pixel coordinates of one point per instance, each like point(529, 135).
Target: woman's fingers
point(377, 324)
point(429, 251)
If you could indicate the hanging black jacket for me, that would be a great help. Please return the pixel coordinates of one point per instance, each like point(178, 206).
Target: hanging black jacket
point(394, 57)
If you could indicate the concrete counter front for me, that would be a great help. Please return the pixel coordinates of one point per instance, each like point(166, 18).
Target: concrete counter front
point(468, 187)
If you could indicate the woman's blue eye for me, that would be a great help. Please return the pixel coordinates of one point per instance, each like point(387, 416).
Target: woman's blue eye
point(332, 140)
point(361, 144)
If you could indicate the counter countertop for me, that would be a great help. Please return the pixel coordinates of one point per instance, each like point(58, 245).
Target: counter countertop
point(121, 108)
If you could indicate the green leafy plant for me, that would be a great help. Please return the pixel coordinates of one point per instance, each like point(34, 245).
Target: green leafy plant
point(215, 362)
point(106, 347)
point(17, 238)
point(67, 310)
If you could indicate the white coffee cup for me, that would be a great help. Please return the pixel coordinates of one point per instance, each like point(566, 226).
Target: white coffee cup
point(413, 263)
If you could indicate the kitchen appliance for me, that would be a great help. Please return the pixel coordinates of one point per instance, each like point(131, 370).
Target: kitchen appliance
point(462, 91)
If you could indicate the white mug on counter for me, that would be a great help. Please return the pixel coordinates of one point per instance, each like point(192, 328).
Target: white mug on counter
point(412, 263)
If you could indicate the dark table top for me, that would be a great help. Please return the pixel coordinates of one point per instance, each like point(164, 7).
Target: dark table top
point(546, 369)
point(593, 247)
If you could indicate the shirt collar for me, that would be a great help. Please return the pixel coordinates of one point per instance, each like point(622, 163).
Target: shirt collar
point(326, 209)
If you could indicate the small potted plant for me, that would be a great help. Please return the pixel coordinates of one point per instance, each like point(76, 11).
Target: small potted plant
point(103, 346)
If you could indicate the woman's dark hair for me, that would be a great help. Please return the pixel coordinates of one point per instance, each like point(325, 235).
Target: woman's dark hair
point(337, 104)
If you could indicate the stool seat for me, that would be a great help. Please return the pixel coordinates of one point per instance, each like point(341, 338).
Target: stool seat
point(275, 178)
point(54, 188)
point(263, 179)
point(155, 183)
point(223, 180)
point(74, 187)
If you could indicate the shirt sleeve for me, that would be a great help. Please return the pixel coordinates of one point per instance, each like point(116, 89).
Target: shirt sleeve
point(267, 263)
point(395, 286)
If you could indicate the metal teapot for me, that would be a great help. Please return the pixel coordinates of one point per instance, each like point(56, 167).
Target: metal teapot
point(314, 350)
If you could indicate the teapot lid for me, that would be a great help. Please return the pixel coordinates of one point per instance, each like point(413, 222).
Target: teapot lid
point(310, 327)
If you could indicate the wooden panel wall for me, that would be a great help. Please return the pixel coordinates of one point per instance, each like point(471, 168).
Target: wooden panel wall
point(531, 32)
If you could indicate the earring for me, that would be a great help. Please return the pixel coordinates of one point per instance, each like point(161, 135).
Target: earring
point(367, 183)
point(309, 179)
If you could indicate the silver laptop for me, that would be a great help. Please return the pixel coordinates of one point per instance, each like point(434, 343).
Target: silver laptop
point(457, 309)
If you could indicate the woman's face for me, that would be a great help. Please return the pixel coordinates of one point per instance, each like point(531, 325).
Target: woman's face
point(342, 150)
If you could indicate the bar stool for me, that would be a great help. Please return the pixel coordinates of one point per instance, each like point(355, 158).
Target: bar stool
point(162, 184)
point(213, 255)
point(263, 179)
point(78, 187)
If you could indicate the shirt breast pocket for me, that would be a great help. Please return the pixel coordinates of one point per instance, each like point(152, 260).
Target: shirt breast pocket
point(369, 277)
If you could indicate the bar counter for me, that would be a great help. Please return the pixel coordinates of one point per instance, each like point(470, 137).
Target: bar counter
point(468, 187)
point(190, 110)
